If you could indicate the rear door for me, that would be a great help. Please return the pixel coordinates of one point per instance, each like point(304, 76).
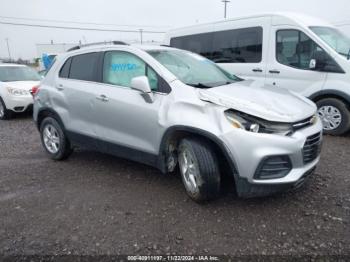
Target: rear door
point(75, 85)
point(241, 47)
point(289, 61)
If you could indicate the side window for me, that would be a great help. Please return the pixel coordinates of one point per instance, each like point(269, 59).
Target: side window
point(238, 46)
point(200, 43)
point(64, 72)
point(83, 67)
point(119, 68)
point(295, 49)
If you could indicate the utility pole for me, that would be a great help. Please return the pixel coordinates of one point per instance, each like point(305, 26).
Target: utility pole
point(225, 3)
point(141, 32)
point(8, 48)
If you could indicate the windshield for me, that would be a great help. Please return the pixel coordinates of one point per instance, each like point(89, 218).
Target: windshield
point(18, 73)
point(193, 69)
point(334, 38)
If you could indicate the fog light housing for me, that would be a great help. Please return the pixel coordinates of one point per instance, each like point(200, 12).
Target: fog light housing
point(273, 167)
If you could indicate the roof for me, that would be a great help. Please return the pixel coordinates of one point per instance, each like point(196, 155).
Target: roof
point(97, 47)
point(296, 17)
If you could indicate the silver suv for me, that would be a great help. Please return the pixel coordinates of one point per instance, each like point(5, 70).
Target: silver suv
point(167, 107)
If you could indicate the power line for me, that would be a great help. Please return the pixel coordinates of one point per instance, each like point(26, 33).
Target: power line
point(81, 28)
point(75, 22)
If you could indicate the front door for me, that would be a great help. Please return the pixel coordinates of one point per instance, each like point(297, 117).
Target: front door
point(123, 117)
point(289, 61)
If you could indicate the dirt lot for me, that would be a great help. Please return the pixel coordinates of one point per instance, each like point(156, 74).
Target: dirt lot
point(97, 204)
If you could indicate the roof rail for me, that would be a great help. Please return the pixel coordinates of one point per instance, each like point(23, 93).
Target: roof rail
point(97, 43)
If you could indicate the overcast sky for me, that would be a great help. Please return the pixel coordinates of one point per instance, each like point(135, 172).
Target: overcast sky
point(155, 15)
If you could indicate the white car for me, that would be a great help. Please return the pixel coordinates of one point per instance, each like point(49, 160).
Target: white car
point(16, 83)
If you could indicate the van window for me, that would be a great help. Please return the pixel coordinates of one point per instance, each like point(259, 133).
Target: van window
point(64, 72)
point(199, 43)
point(83, 67)
point(295, 49)
point(238, 46)
point(119, 68)
point(232, 46)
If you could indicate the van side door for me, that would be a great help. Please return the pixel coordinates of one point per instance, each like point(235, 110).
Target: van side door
point(290, 56)
point(241, 47)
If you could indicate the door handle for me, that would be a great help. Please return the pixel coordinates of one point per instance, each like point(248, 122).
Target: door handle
point(257, 70)
point(102, 98)
point(60, 87)
point(274, 71)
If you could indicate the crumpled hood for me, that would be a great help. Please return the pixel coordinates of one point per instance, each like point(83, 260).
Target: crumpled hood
point(266, 102)
point(25, 85)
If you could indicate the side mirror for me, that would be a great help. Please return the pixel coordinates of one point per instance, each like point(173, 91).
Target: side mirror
point(141, 84)
point(318, 61)
point(313, 64)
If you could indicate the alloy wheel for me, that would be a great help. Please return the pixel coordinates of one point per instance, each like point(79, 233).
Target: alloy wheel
point(189, 170)
point(2, 110)
point(51, 139)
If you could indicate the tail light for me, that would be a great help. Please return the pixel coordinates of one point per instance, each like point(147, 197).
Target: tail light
point(34, 90)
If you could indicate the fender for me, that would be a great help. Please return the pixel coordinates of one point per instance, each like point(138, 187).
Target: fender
point(200, 133)
point(48, 111)
point(330, 92)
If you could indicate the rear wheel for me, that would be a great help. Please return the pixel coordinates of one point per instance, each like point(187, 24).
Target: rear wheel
point(5, 114)
point(54, 139)
point(335, 116)
point(199, 169)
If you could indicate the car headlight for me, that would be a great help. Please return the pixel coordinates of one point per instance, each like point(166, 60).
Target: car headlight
point(257, 125)
point(17, 92)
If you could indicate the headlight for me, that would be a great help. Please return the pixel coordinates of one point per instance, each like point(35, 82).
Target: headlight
point(17, 92)
point(257, 125)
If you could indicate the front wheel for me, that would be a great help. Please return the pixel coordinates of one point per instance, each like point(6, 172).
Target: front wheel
point(199, 169)
point(335, 116)
point(54, 139)
point(5, 114)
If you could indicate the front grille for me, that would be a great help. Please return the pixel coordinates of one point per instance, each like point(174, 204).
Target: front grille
point(304, 123)
point(273, 167)
point(312, 148)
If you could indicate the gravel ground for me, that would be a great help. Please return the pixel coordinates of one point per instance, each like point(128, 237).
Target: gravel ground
point(96, 204)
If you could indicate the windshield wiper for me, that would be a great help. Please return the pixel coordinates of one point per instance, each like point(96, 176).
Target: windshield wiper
point(200, 85)
point(348, 56)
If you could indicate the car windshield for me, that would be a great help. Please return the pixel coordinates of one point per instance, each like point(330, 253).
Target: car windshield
point(193, 69)
point(18, 73)
point(334, 38)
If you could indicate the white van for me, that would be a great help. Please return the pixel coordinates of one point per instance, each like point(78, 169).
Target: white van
point(303, 54)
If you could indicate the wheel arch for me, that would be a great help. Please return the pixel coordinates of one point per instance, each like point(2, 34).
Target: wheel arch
point(331, 94)
point(174, 134)
point(48, 112)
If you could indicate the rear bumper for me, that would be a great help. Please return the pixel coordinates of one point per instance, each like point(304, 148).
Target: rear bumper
point(249, 190)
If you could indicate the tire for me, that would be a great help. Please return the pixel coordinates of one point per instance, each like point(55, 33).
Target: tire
point(55, 143)
point(5, 114)
point(204, 183)
point(329, 108)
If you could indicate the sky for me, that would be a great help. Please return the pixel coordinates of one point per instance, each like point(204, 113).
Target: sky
point(151, 15)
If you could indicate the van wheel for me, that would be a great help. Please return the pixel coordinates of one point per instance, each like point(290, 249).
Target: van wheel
point(54, 139)
point(5, 114)
point(199, 169)
point(335, 116)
